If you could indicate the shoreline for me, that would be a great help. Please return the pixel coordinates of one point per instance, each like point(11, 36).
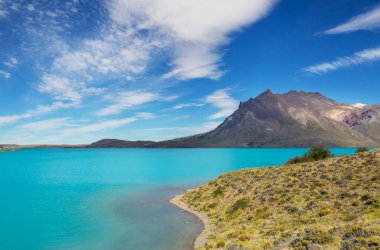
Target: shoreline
point(200, 240)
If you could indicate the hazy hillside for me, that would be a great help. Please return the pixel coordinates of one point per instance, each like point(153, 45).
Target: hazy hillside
point(329, 204)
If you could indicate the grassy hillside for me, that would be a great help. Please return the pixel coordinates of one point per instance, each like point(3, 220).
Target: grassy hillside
point(329, 204)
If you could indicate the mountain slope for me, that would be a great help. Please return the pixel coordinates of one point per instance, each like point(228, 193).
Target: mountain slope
point(294, 119)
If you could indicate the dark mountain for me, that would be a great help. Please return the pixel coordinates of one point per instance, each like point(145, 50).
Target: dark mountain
point(294, 119)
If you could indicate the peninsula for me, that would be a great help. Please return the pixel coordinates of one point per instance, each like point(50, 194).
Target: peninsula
point(328, 204)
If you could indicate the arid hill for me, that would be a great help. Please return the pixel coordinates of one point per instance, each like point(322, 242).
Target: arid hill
point(328, 204)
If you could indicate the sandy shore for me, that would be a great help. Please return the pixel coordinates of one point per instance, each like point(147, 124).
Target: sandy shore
point(201, 239)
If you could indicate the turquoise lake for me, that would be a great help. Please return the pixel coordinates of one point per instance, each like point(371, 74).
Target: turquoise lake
point(111, 198)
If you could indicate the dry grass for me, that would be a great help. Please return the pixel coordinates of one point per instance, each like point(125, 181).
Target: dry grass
point(329, 204)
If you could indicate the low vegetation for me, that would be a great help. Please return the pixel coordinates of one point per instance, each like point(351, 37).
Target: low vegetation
point(328, 204)
point(362, 150)
point(314, 154)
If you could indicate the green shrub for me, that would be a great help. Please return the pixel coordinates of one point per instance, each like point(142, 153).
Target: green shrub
point(310, 237)
point(296, 160)
point(355, 203)
point(220, 244)
point(262, 213)
point(239, 204)
point(317, 153)
point(218, 191)
point(355, 232)
point(244, 237)
point(361, 150)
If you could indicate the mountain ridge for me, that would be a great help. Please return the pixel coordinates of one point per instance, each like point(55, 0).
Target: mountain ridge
point(293, 119)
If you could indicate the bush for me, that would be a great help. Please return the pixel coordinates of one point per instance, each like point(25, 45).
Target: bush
point(239, 204)
point(296, 160)
point(355, 232)
point(361, 150)
point(218, 191)
point(310, 237)
point(316, 153)
point(220, 244)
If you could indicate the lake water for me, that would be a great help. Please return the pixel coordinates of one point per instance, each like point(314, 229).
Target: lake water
point(111, 198)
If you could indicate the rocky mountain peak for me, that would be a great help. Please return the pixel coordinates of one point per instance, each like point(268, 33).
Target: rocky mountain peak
point(293, 119)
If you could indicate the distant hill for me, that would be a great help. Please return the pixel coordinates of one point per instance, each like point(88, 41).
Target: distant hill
point(114, 143)
point(329, 204)
point(294, 119)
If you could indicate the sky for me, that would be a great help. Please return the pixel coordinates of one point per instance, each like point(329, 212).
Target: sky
point(77, 71)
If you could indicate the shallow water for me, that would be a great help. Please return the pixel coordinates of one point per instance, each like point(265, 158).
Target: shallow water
point(111, 198)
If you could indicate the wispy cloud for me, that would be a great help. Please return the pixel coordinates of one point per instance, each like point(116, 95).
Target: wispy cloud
point(99, 126)
point(45, 125)
point(196, 29)
point(3, 9)
point(222, 100)
point(204, 127)
point(121, 52)
point(109, 124)
point(63, 89)
point(40, 110)
point(366, 21)
point(5, 74)
point(3, 13)
point(11, 62)
point(361, 57)
point(130, 99)
point(187, 105)
point(167, 133)
point(30, 7)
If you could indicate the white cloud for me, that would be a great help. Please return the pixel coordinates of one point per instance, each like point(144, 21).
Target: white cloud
point(222, 100)
point(126, 100)
point(131, 99)
point(195, 61)
point(57, 129)
point(11, 62)
point(99, 126)
point(366, 21)
point(364, 56)
point(167, 133)
point(5, 74)
point(110, 124)
point(3, 9)
point(120, 52)
point(196, 29)
point(186, 105)
point(45, 125)
point(40, 110)
point(3, 13)
point(63, 89)
point(12, 118)
point(30, 7)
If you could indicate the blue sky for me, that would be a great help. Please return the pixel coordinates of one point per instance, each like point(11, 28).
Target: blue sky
point(77, 71)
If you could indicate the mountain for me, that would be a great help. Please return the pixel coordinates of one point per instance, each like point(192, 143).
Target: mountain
point(294, 119)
